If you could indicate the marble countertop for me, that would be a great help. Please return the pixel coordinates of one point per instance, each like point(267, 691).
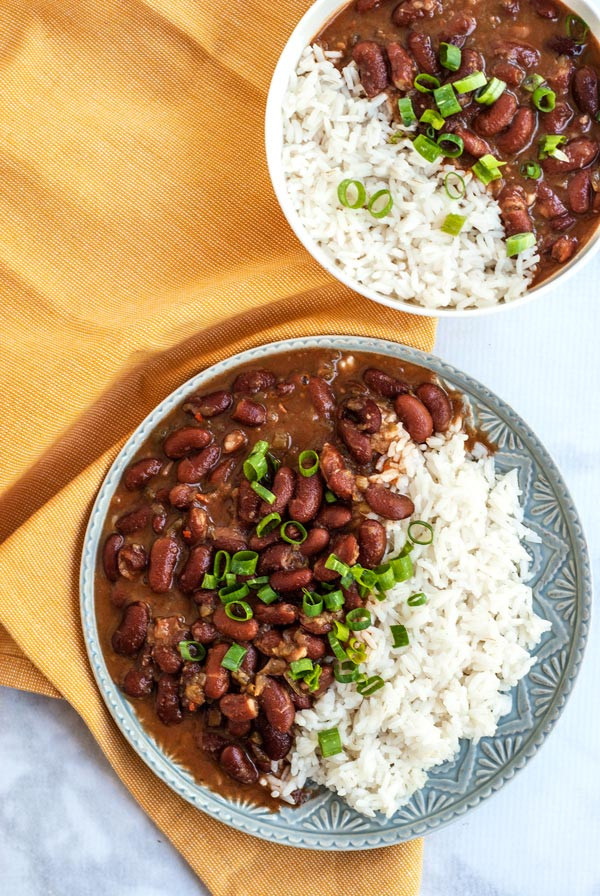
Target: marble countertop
point(67, 824)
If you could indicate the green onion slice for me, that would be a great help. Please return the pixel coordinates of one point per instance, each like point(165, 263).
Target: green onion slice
point(425, 83)
point(358, 619)
point(576, 28)
point(357, 187)
point(402, 567)
point(544, 99)
point(298, 668)
point(233, 592)
point(268, 523)
point(356, 651)
point(221, 564)
point(312, 604)
point(192, 651)
point(407, 112)
point(345, 671)
point(243, 563)
point(396, 137)
point(445, 100)
point(453, 224)
point(310, 458)
point(487, 169)
point(288, 538)
point(450, 56)
point(418, 537)
point(263, 492)
point(239, 610)
point(256, 582)
point(266, 594)
point(330, 498)
point(366, 577)
point(549, 147)
point(530, 170)
point(385, 577)
point(312, 679)
point(518, 243)
point(330, 742)
point(454, 185)
point(492, 91)
point(255, 465)
point(470, 83)
point(337, 648)
point(427, 147)
point(210, 582)
point(367, 686)
point(234, 657)
point(417, 600)
point(430, 116)
point(334, 600)
point(451, 145)
point(400, 635)
point(531, 82)
point(341, 631)
point(380, 204)
point(336, 565)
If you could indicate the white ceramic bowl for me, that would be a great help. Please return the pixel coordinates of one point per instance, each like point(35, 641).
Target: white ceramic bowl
point(309, 25)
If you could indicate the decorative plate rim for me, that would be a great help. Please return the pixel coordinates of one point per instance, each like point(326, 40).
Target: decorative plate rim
point(260, 822)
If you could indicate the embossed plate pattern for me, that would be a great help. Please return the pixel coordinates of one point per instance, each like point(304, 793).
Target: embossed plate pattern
point(562, 593)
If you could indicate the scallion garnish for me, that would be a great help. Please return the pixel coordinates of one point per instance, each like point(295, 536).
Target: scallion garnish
point(266, 594)
point(359, 199)
point(470, 83)
point(300, 528)
point(358, 619)
point(191, 651)
point(417, 536)
point(312, 604)
point(312, 679)
point(544, 99)
point(367, 686)
point(255, 465)
point(417, 600)
point(425, 83)
point(487, 169)
point(330, 498)
point(299, 668)
point(243, 563)
point(234, 657)
point(210, 582)
point(336, 565)
point(268, 523)
point(341, 631)
point(238, 610)
point(518, 243)
point(330, 742)
point(576, 28)
point(400, 635)
point(345, 671)
point(257, 581)
point(308, 463)
point(454, 185)
point(430, 116)
point(445, 100)
point(237, 591)
point(532, 82)
point(337, 648)
point(380, 204)
point(451, 145)
point(549, 147)
point(402, 567)
point(407, 112)
point(334, 600)
point(356, 651)
point(530, 170)
point(492, 91)
point(453, 224)
point(366, 577)
point(263, 492)
point(221, 564)
point(427, 148)
point(450, 56)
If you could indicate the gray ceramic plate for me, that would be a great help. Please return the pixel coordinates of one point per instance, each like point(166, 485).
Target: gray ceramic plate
point(562, 593)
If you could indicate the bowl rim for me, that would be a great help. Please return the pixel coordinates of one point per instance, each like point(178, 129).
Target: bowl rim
point(308, 26)
point(181, 781)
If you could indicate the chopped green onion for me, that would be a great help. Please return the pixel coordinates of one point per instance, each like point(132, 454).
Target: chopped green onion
point(367, 686)
point(267, 524)
point(376, 205)
point(359, 199)
point(396, 137)
point(356, 651)
point(263, 492)
point(298, 668)
point(310, 457)
point(243, 563)
point(454, 185)
point(337, 648)
point(425, 83)
point(400, 635)
point(255, 465)
point(239, 610)
point(312, 604)
point(450, 56)
point(576, 28)
point(427, 148)
point(266, 594)
point(334, 600)
point(453, 224)
point(336, 565)
point(544, 99)
point(492, 91)
point(358, 619)
point(330, 742)
point(385, 577)
point(230, 578)
point(192, 651)
point(423, 539)
point(257, 582)
point(532, 82)
point(345, 671)
point(234, 657)
point(549, 147)
point(445, 100)
point(487, 169)
point(330, 498)
point(417, 600)
point(225, 558)
point(430, 132)
point(530, 170)
point(288, 538)
point(518, 243)
point(312, 679)
point(341, 631)
point(233, 592)
point(366, 577)
point(457, 143)
point(210, 582)
point(470, 83)
point(430, 116)
point(407, 113)
point(402, 567)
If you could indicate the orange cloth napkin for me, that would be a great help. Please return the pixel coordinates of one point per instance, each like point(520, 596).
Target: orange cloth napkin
point(140, 242)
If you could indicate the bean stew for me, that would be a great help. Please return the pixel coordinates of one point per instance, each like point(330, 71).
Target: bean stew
point(508, 87)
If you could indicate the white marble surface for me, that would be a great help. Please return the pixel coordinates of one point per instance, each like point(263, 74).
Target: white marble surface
point(67, 825)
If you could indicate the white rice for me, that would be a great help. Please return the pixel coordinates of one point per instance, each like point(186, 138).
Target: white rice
point(468, 644)
point(331, 132)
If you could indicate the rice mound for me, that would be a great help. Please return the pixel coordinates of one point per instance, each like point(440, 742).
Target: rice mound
point(331, 132)
point(468, 644)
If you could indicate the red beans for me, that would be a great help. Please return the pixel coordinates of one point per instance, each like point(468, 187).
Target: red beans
point(277, 705)
point(316, 541)
point(580, 153)
point(164, 555)
point(497, 116)
point(132, 559)
point(168, 706)
point(579, 192)
point(388, 504)
point(308, 494)
point(437, 403)
point(234, 628)
point(337, 476)
point(358, 444)
point(192, 469)
point(277, 614)
point(110, 554)
point(585, 90)
point(321, 395)
point(211, 405)
point(334, 516)
point(372, 540)
point(372, 66)
point(283, 489)
point(134, 520)
point(414, 416)
point(422, 49)
point(237, 763)
point(217, 678)
point(185, 440)
point(238, 707)
point(251, 381)
point(141, 472)
point(291, 580)
point(384, 384)
point(519, 134)
point(129, 637)
point(402, 67)
point(279, 556)
point(277, 744)
point(548, 203)
point(248, 502)
point(514, 211)
point(197, 564)
point(250, 413)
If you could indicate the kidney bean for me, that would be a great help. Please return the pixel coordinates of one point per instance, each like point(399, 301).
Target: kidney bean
point(581, 152)
point(196, 565)
point(437, 403)
point(139, 473)
point(562, 223)
point(119, 594)
point(564, 46)
point(520, 52)
point(250, 661)
point(321, 395)
point(167, 659)
point(458, 29)
point(358, 444)
point(372, 539)
point(372, 67)
point(249, 382)
point(217, 678)
point(192, 469)
point(129, 637)
point(564, 249)
point(402, 67)
point(579, 191)
point(277, 744)
point(308, 494)
point(238, 707)
point(211, 405)
point(322, 573)
point(168, 706)
point(365, 413)
point(283, 489)
point(237, 763)
point(234, 440)
point(139, 681)
point(290, 579)
point(248, 502)
point(185, 440)
point(197, 523)
point(471, 61)
point(300, 700)
point(315, 647)
point(585, 90)
point(316, 541)
point(334, 516)
point(421, 47)
point(261, 542)
point(514, 211)
point(408, 11)
point(110, 554)
point(226, 538)
point(557, 120)
point(509, 73)
point(276, 614)
point(325, 681)
point(159, 521)
point(496, 117)
point(207, 601)
point(518, 135)
point(474, 145)
point(383, 384)
point(279, 556)
point(182, 495)
point(548, 204)
point(339, 479)
point(222, 473)
point(352, 599)
point(269, 642)
point(345, 548)
point(132, 560)
point(203, 631)
point(212, 742)
point(414, 416)
point(317, 625)
point(546, 9)
point(134, 520)
point(234, 628)
point(164, 555)
point(388, 504)
point(239, 729)
point(277, 705)
point(250, 413)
